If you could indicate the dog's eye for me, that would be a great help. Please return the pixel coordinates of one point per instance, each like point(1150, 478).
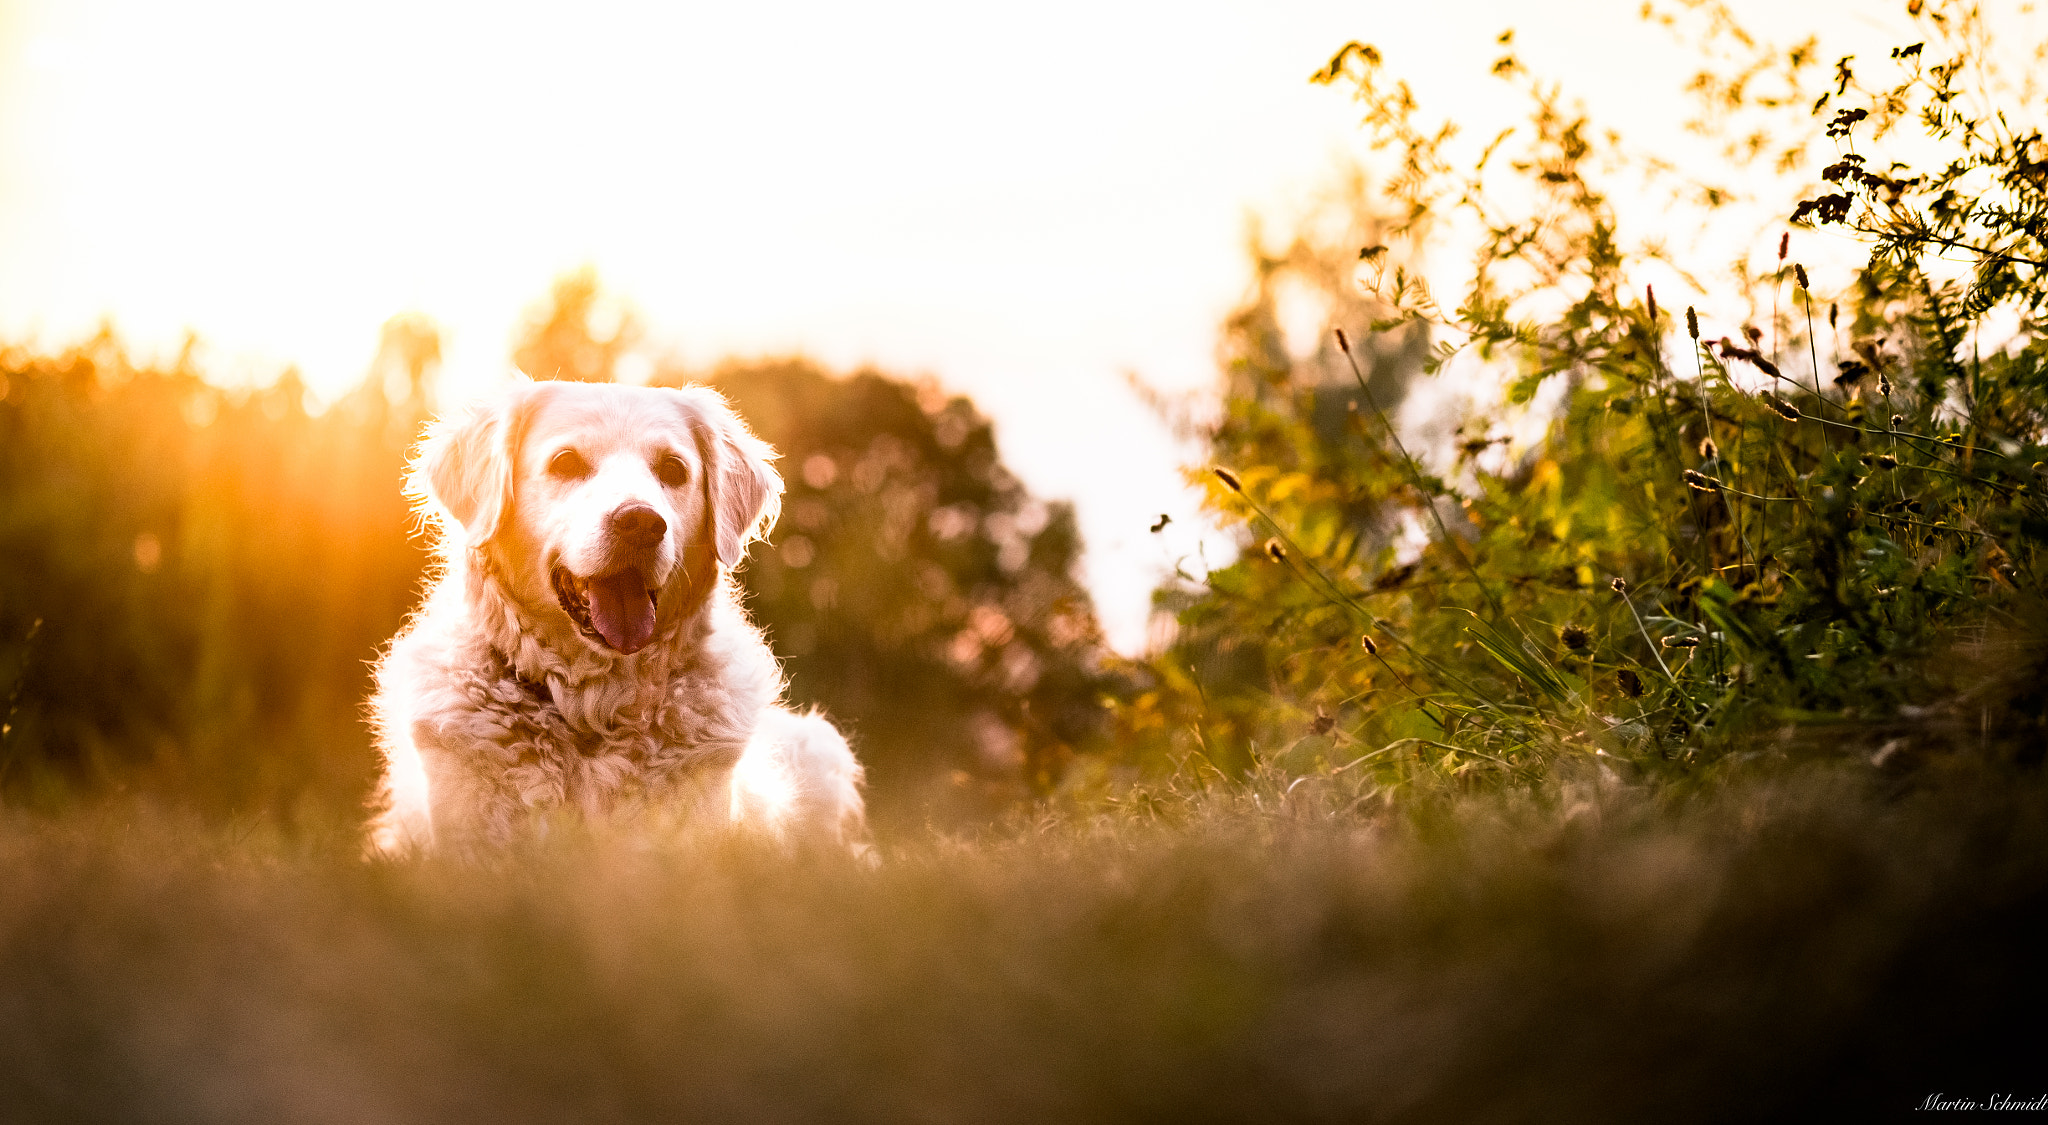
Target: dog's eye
point(568, 465)
point(671, 469)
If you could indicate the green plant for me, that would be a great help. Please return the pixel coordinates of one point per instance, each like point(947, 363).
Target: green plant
point(1822, 525)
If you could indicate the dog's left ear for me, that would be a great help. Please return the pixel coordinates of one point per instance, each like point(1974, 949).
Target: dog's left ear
point(740, 482)
point(465, 466)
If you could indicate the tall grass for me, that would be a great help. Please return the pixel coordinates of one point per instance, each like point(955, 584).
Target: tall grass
point(1585, 956)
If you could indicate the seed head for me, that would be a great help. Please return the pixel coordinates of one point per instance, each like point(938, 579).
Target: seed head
point(1692, 322)
point(1343, 344)
point(1832, 310)
point(1784, 243)
point(1708, 450)
point(1701, 482)
point(1681, 642)
point(1275, 551)
point(1575, 638)
point(1617, 585)
point(1229, 480)
point(1651, 290)
point(1887, 461)
point(1365, 642)
point(1898, 420)
point(1630, 684)
point(1754, 333)
point(1799, 271)
point(1781, 408)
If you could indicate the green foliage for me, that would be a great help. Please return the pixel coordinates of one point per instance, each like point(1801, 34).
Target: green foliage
point(1827, 529)
point(1979, 193)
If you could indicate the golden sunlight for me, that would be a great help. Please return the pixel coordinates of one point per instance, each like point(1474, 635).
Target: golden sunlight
point(1027, 206)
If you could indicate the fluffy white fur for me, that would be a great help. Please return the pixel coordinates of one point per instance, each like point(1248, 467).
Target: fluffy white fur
point(497, 706)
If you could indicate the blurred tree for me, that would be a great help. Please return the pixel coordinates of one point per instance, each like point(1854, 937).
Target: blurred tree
point(577, 334)
point(192, 581)
point(917, 591)
point(408, 355)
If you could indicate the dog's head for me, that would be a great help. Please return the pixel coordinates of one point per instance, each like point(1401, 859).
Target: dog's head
point(608, 510)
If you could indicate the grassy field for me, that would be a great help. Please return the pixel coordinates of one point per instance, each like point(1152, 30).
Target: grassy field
point(1684, 765)
point(1747, 954)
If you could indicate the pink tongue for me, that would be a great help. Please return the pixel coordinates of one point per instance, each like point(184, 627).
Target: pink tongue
point(622, 611)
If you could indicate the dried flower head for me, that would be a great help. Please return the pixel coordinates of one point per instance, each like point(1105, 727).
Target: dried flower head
point(1708, 450)
point(1754, 333)
point(1701, 481)
point(1898, 420)
point(1275, 550)
point(1343, 344)
point(1784, 244)
point(1229, 480)
point(1575, 638)
point(1365, 642)
point(1692, 322)
point(1630, 684)
point(1681, 642)
point(1651, 291)
point(1799, 272)
point(1781, 408)
point(1832, 310)
point(1887, 461)
point(1617, 585)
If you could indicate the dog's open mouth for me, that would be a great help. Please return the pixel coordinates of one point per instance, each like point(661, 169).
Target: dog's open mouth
point(615, 610)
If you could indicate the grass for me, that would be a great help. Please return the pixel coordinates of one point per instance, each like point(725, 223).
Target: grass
point(1582, 954)
point(1692, 774)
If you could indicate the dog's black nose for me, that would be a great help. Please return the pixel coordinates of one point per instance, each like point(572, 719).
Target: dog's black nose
point(638, 525)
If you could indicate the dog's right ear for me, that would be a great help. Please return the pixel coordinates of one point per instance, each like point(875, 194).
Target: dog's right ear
point(467, 464)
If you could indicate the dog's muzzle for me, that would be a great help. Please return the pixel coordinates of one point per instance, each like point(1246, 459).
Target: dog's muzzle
point(616, 608)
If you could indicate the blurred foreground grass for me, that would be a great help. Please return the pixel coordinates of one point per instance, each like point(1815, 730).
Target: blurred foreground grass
point(1578, 954)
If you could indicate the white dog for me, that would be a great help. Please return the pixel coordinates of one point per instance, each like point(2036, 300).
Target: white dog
point(583, 647)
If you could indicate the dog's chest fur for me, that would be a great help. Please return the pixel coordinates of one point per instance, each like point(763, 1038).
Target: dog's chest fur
point(507, 727)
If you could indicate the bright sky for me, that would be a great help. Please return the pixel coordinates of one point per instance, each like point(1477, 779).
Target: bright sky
point(1025, 201)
